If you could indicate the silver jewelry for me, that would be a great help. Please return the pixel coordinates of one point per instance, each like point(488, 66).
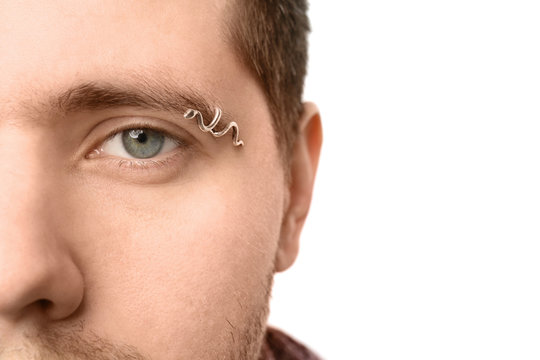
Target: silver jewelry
point(191, 113)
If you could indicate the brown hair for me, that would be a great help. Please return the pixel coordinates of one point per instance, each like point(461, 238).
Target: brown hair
point(271, 39)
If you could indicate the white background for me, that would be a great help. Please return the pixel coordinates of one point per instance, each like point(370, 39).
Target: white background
point(422, 242)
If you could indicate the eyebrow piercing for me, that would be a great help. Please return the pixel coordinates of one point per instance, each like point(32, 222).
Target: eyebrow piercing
point(191, 113)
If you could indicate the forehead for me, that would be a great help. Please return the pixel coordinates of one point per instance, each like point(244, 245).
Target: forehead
point(48, 44)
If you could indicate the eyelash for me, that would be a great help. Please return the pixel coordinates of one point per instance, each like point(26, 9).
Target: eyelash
point(143, 165)
point(139, 164)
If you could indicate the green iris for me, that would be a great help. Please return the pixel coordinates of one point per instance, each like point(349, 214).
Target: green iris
point(142, 143)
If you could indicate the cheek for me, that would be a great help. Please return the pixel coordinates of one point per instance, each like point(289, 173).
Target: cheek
point(183, 260)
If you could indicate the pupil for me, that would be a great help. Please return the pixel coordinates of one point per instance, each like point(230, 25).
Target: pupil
point(142, 138)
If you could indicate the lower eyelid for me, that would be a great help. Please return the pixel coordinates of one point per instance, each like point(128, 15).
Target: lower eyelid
point(162, 159)
point(142, 164)
point(143, 171)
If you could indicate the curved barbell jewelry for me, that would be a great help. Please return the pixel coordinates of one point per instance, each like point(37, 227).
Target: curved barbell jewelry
point(191, 113)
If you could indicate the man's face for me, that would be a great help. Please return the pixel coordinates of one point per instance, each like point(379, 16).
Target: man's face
point(102, 256)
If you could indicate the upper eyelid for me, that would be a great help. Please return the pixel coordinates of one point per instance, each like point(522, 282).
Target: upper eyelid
point(171, 129)
point(119, 130)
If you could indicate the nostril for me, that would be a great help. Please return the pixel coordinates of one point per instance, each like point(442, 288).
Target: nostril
point(41, 281)
point(44, 304)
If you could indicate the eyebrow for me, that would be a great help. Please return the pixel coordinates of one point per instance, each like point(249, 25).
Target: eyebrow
point(143, 94)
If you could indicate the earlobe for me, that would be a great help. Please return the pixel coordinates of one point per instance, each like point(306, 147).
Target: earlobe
point(304, 162)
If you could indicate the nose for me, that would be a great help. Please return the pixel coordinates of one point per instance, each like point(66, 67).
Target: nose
point(38, 274)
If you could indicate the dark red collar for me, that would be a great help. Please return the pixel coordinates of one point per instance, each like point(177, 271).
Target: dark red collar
point(279, 346)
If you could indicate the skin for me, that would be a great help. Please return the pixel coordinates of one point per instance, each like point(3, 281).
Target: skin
point(103, 260)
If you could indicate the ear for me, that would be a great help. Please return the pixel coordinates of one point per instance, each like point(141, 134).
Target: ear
point(303, 166)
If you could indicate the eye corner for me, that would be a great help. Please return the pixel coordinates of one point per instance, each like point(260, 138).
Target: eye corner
point(96, 152)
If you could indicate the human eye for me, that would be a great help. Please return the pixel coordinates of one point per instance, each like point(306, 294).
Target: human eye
point(140, 146)
point(138, 143)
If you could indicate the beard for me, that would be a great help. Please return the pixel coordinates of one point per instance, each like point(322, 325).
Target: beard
point(75, 342)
